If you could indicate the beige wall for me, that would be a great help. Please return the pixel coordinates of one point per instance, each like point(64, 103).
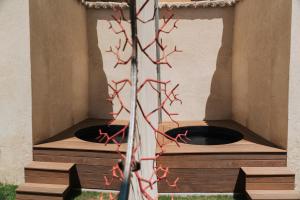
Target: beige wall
point(261, 53)
point(294, 95)
point(59, 66)
point(101, 63)
point(203, 69)
point(15, 91)
point(70, 69)
point(204, 35)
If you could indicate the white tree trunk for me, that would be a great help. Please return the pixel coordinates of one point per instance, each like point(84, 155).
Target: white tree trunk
point(148, 99)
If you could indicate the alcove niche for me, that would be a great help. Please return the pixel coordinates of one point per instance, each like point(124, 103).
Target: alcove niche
point(233, 67)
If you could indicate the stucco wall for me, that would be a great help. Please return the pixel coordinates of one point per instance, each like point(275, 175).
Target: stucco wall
point(203, 69)
point(294, 95)
point(101, 63)
point(59, 66)
point(15, 90)
point(261, 53)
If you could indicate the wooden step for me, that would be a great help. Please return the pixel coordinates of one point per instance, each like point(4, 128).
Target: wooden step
point(48, 173)
point(37, 191)
point(268, 178)
point(273, 195)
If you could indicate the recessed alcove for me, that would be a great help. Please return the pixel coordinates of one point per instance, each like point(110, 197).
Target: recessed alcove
point(232, 75)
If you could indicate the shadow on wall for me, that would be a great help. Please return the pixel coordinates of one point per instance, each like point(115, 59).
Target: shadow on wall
point(208, 54)
point(205, 35)
point(221, 82)
point(99, 107)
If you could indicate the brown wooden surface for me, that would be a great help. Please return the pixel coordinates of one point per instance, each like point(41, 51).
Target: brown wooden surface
point(273, 195)
point(270, 186)
point(47, 177)
point(201, 168)
point(202, 180)
point(259, 171)
point(56, 166)
point(38, 197)
point(271, 179)
point(268, 178)
point(38, 188)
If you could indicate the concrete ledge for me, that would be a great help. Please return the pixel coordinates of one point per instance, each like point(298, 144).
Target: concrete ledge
point(169, 5)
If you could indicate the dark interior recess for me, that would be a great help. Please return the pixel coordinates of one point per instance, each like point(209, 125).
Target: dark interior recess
point(91, 134)
point(207, 135)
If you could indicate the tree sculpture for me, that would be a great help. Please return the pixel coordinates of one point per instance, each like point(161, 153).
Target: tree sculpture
point(125, 171)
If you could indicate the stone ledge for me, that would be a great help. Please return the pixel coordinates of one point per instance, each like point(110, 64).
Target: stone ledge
point(180, 4)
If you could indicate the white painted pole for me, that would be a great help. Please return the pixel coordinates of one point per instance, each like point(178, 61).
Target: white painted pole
point(124, 190)
point(148, 99)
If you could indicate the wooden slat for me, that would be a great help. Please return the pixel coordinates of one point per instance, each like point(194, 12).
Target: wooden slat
point(92, 176)
point(37, 188)
point(47, 177)
point(269, 171)
point(273, 194)
point(54, 166)
point(77, 158)
point(270, 186)
point(76, 153)
point(222, 163)
point(229, 148)
point(202, 180)
point(80, 145)
point(270, 179)
point(38, 197)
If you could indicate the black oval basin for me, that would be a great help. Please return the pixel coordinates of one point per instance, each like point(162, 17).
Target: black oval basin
point(207, 135)
point(91, 134)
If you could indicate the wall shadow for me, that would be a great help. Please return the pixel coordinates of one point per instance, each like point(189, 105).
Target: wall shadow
point(99, 107)
point(218, 104)
point(221, 83)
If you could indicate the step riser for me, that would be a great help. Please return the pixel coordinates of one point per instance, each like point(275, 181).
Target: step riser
point(270, 183)
point(270, 179)
point(37, 197)
point(273, 195)
point(249, 198)
point(270, 186)
point(48, 177)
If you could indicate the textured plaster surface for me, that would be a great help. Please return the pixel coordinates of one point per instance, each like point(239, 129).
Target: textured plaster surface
point(59, 66)
point(170, 4)
point(15, 91)
point(203, 69)
point(260, 79)
point(101, 64)
point(294, 96)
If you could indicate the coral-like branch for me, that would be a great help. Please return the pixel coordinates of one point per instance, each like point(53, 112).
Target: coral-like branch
point(169, 97)
point(117, 54)
point(116, 95)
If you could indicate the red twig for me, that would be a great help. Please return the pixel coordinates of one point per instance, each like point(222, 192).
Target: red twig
point(160, 173)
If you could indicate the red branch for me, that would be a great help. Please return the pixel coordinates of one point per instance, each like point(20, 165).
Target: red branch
point(164, 28)
point(169, 97)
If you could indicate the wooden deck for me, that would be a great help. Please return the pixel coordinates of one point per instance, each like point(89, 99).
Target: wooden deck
point(201, 168)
